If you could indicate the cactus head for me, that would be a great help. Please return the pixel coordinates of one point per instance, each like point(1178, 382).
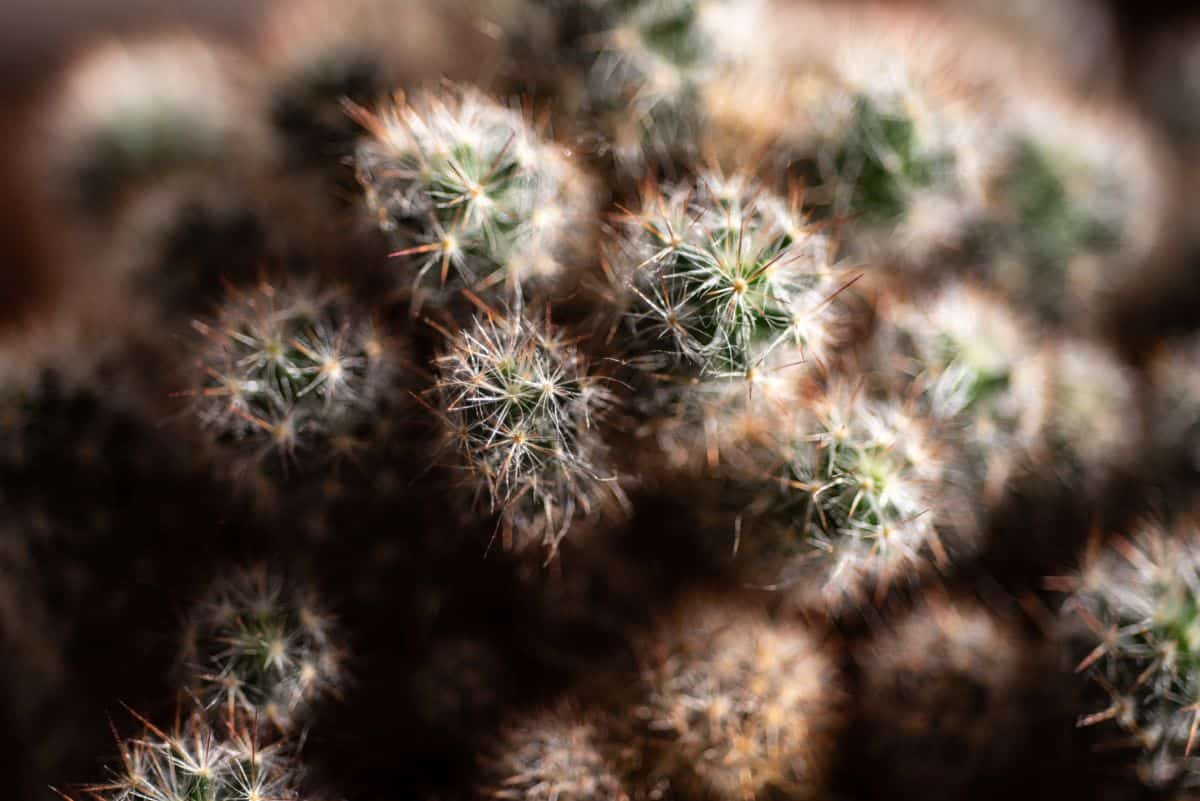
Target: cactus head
point(288, 369)
point(472, 195)
point(521, 409)
point(550, 757)
point(198, 762)
point(739, 706)
point(1135, 615)
point(258, 649)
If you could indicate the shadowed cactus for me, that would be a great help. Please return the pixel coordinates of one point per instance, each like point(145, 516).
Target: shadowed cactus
point(287, 370)
point(550, 757)
point(738, 707)
point(1133, 614)
point(260, 650)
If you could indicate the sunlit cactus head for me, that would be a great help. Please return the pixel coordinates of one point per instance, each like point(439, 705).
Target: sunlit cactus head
point(472, 195)
point(1134, 616)
point(259, 649)
point(946, 692)
point(966, 355)
point(521, 409)
point(867, 496)
point(197, 761)
point(288, 370)
point(739, 706)
point(720, 272)
point(553, 756)
point(131, 113)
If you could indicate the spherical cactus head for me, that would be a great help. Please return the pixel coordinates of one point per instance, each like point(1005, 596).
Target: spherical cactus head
point(197, 761)
point(867, 497)
point(520, 408)
point(1135, 620)
point(472, 195)
point(739, 706)
point(260, 649)
point(288, 370)
point(554, 756)
point(719, 272)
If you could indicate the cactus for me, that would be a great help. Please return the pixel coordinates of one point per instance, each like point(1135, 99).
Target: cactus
point(259, 648)
point(738, 706)
point(550, 757)
point(196, 762)
point(866, 496)
point(287, 369)
point(521, 409)
point(1133, 614)
point(127, 115)
point(470, 191)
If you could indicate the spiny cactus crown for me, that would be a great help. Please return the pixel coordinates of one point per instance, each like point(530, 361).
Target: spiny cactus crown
point(720, 273)
point(550, 758)
point(467, 187)
point(520, 406)
point(738, 704)
point(1137, 602)
point(861, 485)
point(281, 367)
point(258, 648)
point(196, 762)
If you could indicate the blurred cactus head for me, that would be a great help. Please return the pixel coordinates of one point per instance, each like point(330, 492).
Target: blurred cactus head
point(719, 273)
point(259, 650)
point(198, 762)
point(471, 193)
point(288, 369)
point(1135, 617)
point(865, 498)
point(128, 115)
point(739, 706)
point(521, 410)
point(550, 757)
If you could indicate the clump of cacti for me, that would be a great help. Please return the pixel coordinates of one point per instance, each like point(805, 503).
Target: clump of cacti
point(1133, 615)
point(522, 411)
point(793, 308)
point(469, 190)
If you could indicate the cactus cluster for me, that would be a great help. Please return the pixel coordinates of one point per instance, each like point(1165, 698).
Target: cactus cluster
point(771, 341)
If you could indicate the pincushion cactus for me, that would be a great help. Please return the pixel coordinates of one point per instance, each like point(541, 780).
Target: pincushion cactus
point(551, 757)
point(470, 191)
point(1133, 612)
point(867, 495)
point(260, 649)
point(286, 368)
point(197, 762)
point(521, 410)
point(739, 706)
